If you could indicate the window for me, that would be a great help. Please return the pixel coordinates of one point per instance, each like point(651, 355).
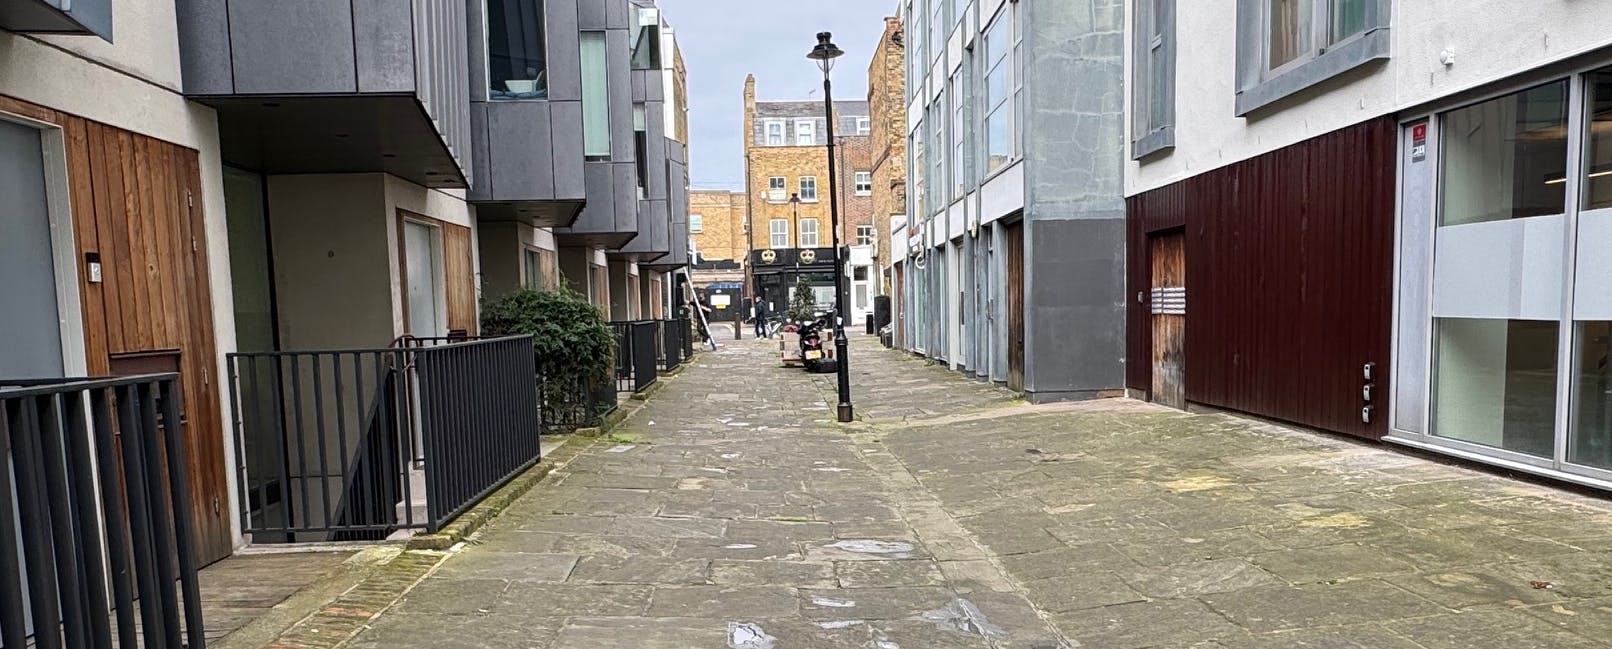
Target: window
point(864, 125)
point(808, 233)
point(517, 55)
point(775, 133)
point(1153, 89)
point(1506, 158)
point(915, 53)
point(696, 223)
point(778, 231)
point(777, 189)
point(864, 183)
point(595, 96)
point(808, 189)
point(959, 136)
point(646, 38)
point(805, 132)
point(864, 235)
point(1496, 383)
point(999, 87)
point(532, 277)
point(1279, 40)
point(640, 137)
point(937, 29)
point(916, 144)
point(937, 163)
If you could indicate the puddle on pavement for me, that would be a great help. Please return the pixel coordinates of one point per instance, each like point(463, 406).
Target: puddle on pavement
point(899, 549)
point(963, 616)
point(622, 448)
point(833, 603)
point(739, 546)
point(839, 624)
point(749, 636)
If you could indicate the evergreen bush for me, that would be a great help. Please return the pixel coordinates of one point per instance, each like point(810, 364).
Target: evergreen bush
point(803, 304)
point(574, 344)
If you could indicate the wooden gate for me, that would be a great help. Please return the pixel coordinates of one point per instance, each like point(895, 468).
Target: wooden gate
point(1167, 304)
point(1015, 304)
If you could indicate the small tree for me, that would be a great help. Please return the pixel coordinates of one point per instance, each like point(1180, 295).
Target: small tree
point(573, 344)
point(803, 304)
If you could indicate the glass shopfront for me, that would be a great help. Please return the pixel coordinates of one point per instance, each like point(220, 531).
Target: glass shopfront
point(1504, 310)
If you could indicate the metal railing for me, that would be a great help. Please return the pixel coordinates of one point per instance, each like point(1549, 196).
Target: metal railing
point(637, 354)
point(675, 345)
point(569, 406)
point(97, 489)
point(358, 444)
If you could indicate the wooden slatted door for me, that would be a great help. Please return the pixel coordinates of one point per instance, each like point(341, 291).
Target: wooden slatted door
point(1015, 305)
point(1167, 302)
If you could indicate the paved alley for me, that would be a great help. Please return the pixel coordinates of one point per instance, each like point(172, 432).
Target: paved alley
point(731, 513)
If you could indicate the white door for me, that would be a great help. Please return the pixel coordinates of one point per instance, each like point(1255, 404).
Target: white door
point(427, 315)
point(31, 347)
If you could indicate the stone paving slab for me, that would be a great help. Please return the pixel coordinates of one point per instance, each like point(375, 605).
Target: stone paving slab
point(731, 512)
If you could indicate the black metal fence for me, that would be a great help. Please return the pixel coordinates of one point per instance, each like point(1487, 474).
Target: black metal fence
point(94, 516)
point(637, 354)
point(569, 406)
point(358, 444)
point(675, 343)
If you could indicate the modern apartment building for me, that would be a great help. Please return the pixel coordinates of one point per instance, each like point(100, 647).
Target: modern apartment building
point(1377, 218)
point(184, 181)
point(1015, 235)
point(786, 171)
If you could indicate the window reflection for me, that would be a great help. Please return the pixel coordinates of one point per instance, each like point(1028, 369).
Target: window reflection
point(1598, 152)
point(1590, 442)
point(1496, 383)
point(517, 64)
point(1506, 158)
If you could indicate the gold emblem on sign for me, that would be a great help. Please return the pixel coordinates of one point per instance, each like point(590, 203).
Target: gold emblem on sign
point(808, 256)
point(769, 256)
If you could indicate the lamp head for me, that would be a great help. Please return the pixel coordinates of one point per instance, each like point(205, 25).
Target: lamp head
point(825, 52)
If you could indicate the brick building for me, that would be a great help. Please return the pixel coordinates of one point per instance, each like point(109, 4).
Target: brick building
point(888, 146)
point(786, 173)
point(716, 225)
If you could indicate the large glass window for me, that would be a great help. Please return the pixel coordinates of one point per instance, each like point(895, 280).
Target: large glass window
point(916, 143)
point(808, 189)
point(778, 233)
point(1496, 383)
point(646, 38)
point(937, 29)
point(595, 96)
point(959, 136)
point(998, 91)
point(916, 62)
point(517, 61)
point(1598, 147)
point(640, 132)
point(1302, 28)
point(808, 233)
point(1590, 440)
point(1506, 158)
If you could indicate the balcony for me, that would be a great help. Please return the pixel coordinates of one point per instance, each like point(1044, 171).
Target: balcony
point(526, 113)
point(88, 17)
point(331, 86)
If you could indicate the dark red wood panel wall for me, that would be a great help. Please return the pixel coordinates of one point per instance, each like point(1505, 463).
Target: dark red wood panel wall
point(1289, 279)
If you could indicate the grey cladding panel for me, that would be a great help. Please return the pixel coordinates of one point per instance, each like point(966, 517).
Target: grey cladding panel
point(204, 47)
point(476, 30)
point(292, 46)
point(566, 118)
point(481, 188)
point(521, 150)
point(384, 50)
point(565, 50)
point(621, 118)
point(638, 82)
point(617, 14)
point(591, 13)
point(600, 213)
point(625, 189)
point(655, 185)
point(1094, 251)
point(653, 82)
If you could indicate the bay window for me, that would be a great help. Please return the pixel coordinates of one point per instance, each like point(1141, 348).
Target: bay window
point(517, 59)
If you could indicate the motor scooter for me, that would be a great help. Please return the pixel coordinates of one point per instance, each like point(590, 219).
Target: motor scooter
point(816, 357)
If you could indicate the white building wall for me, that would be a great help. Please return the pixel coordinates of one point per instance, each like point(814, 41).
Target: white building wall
point(1490, 40)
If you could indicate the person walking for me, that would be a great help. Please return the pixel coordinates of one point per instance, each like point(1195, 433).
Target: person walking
point(761, 320)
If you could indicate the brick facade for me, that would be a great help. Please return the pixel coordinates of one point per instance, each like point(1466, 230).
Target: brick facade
point(721, 235)
point(792, 162)
point(887, 103)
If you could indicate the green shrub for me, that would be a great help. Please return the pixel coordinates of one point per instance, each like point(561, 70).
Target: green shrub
point(803, 305)
point(574, 343)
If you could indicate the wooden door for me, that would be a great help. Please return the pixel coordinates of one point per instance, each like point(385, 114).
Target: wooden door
point(1015, 305)
point(1167, 303)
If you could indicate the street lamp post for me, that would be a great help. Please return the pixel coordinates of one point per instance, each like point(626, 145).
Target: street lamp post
point(824, 54)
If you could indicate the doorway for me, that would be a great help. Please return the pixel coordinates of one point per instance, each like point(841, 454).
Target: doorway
point(424, 301)
point(1014, 233)
point(1168, 315)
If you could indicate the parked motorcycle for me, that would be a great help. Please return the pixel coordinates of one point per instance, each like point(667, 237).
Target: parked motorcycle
point(816, 355)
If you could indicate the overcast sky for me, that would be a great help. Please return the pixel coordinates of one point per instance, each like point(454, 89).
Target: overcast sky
point(723, 40)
